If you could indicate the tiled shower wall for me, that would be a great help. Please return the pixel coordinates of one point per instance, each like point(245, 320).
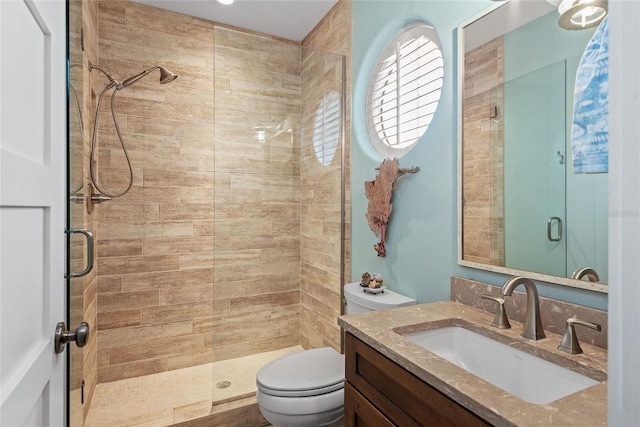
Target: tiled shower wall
point(159, 248)
point(482, 211)
point(257, 195)
point(155, 246)
point(320, 185)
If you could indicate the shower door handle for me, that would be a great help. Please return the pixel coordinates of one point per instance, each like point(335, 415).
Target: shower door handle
point(89, 237)
point(550, 221)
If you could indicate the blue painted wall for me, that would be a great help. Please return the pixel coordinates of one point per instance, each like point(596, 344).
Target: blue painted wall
point(422, 235)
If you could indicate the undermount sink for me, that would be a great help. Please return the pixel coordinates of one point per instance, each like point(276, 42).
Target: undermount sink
point(521, 374)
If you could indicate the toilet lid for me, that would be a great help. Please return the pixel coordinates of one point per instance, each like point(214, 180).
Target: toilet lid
point(306, 373)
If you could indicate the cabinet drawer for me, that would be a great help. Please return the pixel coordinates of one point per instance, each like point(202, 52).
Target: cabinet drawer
point(359, 412)
point(402, 397)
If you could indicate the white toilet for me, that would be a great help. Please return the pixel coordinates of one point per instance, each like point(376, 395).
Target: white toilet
point(307, 388)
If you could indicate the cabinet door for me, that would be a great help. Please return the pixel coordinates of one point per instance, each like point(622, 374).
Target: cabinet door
point(359, 412)
point(403, 398)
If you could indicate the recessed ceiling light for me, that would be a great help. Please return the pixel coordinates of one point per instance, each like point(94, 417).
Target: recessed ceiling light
point(225, 2)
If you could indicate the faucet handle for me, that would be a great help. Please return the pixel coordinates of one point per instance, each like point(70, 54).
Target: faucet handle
point(569, 343)
point(500, 320)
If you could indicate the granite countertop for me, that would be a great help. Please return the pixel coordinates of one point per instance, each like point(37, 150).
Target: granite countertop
point(382, 330)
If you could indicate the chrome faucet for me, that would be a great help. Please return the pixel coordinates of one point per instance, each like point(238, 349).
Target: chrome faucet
point(586, 271)
point(532, 328)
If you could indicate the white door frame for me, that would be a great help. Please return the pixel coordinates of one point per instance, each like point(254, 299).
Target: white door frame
point(624, 213)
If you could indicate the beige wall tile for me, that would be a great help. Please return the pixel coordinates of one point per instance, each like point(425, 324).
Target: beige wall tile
point(137, 264)
point(167, 280)
point(115, 372)
point(320, 203)
point(118, 319)
point(127, 300)
point(175, 313)
point(160, 348)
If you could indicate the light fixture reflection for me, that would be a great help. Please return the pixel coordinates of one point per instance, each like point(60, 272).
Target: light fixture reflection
point(225, 2)
point(261, 134)
point(264, 132)
point(581, 14)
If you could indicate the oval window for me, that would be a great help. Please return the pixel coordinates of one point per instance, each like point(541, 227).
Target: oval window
point(326, 128)
point(404, 89)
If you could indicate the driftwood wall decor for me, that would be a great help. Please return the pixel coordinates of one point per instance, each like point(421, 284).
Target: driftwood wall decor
point(379, 193)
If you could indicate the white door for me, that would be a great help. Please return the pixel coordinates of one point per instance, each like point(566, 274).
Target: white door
point(32, 211)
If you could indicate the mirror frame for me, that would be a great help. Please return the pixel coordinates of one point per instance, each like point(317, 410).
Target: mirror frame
point(558, 280)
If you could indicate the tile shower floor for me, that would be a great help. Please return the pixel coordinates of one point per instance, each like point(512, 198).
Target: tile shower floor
point(170, 397)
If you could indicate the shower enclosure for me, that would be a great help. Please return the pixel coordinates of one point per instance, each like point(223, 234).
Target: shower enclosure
point(228, 250)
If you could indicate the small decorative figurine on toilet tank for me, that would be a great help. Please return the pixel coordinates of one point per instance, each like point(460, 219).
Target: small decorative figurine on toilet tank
point(372, 283)
point(379, 193)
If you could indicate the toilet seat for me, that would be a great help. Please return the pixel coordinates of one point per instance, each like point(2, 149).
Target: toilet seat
point(306, 373)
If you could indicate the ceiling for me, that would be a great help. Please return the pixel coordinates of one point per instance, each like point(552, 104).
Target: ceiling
point(289, 19)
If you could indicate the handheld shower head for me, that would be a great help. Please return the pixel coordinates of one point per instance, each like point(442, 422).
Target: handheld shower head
point(166, 76)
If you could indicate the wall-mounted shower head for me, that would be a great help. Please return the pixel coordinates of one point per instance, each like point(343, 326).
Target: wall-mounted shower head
point(166, 76)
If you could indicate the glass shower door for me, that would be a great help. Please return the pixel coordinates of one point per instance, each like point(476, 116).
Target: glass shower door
point(81, 286)
point(534, 171)
point(278, 205)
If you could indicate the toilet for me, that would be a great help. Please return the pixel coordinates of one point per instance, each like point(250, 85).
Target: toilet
point(307, 388)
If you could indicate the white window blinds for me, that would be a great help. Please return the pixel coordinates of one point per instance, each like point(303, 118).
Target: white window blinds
point(405, 89)
point(326, 128)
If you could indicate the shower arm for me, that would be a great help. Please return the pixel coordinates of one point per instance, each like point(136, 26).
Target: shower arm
point(112, 80)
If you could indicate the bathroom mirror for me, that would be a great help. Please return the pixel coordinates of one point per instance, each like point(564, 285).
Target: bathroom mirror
point(521, 208)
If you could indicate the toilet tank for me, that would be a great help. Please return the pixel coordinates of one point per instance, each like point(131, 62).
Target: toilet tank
point(360, 301)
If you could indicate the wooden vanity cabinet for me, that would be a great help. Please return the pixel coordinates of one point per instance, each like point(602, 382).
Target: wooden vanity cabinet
point(379, 392)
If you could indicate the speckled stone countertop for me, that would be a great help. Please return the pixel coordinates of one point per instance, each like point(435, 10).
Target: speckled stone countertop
point(383, 331)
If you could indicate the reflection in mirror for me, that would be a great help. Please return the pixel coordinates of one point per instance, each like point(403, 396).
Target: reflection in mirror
point(522, 209)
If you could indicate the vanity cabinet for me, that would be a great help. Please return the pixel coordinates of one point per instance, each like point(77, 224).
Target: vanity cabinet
point(379, 392)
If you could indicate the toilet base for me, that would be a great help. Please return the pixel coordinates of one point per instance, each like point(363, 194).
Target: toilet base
point(328, 419)
point(311, 411)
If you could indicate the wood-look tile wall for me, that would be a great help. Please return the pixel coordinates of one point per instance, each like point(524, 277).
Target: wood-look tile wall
point(320, 185)
point(257, 195)
point(155, 246)
point(483, 217)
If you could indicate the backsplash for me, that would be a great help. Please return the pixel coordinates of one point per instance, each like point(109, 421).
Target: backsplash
point(554, 313)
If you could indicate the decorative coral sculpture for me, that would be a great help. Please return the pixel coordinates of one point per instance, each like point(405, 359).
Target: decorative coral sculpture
point(379, 193)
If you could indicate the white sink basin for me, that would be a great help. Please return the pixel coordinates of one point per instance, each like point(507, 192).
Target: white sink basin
point(521, 374)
